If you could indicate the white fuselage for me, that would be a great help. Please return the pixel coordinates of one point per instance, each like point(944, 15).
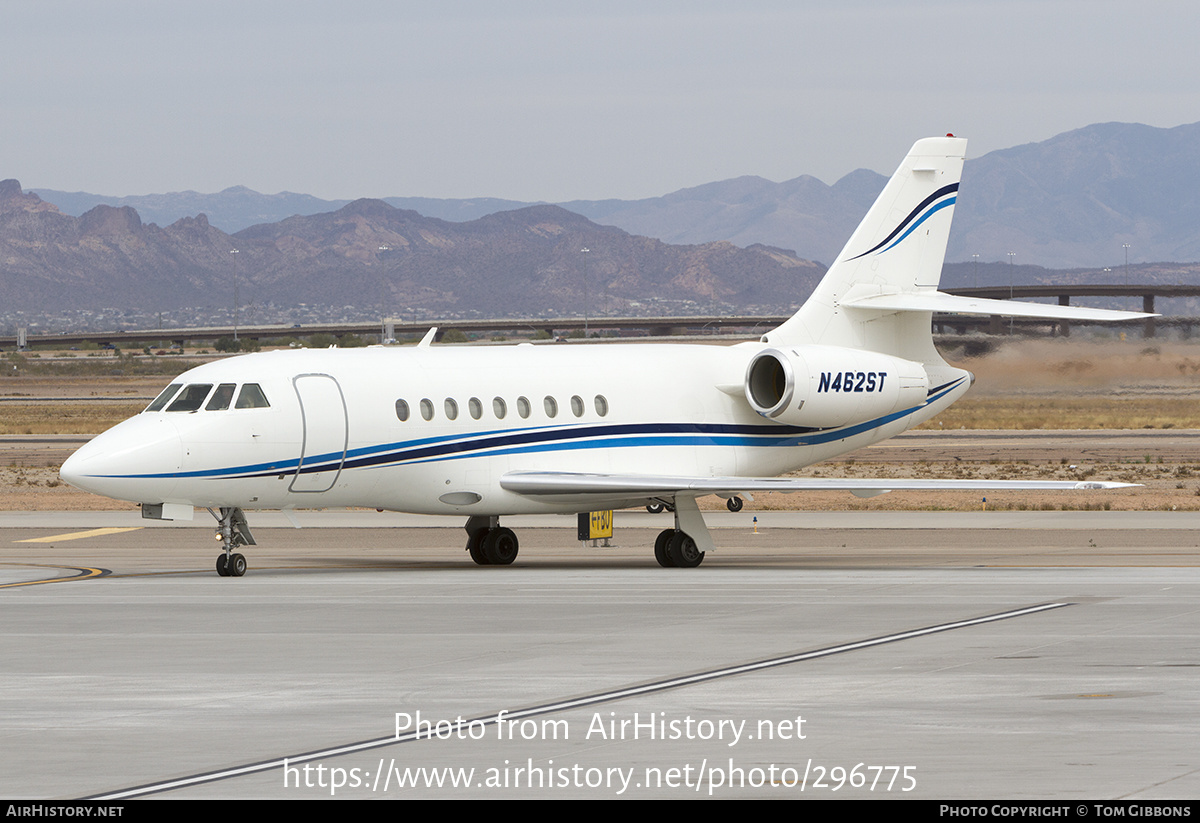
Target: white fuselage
point(333, 434)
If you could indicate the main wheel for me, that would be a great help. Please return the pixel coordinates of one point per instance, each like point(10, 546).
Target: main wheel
point(655, 508)
point(662, 548)
point(222, 569)
point(236, 566)
point(684, 552)
point(475, 547)
point(734, 504)
point(500, 546)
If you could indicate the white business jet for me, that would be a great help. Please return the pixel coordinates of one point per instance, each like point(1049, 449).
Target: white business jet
point(484, 432)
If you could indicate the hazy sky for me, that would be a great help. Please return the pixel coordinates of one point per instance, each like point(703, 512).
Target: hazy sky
point(558, 100)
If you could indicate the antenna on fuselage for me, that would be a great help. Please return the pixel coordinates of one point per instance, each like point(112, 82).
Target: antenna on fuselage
point(427, 340)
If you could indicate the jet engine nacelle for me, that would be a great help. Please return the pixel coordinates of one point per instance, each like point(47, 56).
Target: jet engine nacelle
point(827, 386)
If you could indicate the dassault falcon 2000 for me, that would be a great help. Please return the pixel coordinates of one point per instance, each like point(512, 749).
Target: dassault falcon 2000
point(484, 432)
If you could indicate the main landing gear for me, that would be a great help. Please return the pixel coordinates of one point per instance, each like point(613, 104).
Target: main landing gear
point(677, 550)
point(489, 543)
point(233, 531)
point(684, 546)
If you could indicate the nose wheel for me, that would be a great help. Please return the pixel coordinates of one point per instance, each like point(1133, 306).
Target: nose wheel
point(233, 531)
point(489, 543)
point(232, 566)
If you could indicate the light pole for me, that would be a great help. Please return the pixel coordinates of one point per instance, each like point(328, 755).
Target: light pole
point(584, 251)
point(383, 335)
point(235, 295)
point(975, 268)
point(1126, 247)
point(1011, 255)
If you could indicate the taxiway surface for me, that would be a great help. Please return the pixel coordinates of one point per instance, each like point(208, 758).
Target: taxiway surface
point(635, 681)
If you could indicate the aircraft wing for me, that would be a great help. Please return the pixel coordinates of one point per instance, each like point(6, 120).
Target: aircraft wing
point(639, 485)
point(937, 301)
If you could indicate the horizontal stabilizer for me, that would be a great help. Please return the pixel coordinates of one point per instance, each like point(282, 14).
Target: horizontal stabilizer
point(555, 483)
point(936, 301)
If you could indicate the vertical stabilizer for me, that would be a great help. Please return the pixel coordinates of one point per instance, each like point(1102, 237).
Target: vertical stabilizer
point(898, 248)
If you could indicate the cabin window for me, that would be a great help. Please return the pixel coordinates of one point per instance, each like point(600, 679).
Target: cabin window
point(191, 398)
point(221, 398)
point(427, 409)
point(523, 407)
point(402, 410)
point(475, 407)
point(251, 397)
point(551, 406)
point(577, 406)
point(601, 405)
point(164, 397)
point(499, 407)
point(451, 408)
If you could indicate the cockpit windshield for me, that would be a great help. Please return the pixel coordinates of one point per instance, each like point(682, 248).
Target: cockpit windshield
point(221, 398)
point(252, 397)
point(192, 397)
point(164, 397)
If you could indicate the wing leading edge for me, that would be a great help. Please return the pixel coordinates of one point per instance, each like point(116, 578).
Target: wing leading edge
point(633, 485)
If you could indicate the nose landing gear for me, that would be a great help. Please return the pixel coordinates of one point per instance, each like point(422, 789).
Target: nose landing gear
point(233, 531)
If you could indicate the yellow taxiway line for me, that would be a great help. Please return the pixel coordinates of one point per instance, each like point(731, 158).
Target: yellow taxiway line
point(54, 538)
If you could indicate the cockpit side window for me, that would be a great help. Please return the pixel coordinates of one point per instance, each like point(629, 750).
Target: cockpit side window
point(190, 398)
point(252, 397)
point(164, 397)
point(221, 398)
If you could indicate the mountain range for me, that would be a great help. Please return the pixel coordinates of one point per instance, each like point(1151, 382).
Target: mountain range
point(373, 256)
point(1070, 201)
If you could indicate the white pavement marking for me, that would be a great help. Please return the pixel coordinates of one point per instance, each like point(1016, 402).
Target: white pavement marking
point(573, 703)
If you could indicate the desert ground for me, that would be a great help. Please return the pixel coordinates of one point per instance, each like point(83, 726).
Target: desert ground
point(1106, 387)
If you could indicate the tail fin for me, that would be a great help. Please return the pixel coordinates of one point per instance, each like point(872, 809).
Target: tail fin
point(898, 249)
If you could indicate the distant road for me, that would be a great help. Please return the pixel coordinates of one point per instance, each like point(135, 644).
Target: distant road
point(38, 449)
point(982, 445)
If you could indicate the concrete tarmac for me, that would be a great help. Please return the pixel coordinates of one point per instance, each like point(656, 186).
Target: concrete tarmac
point(957, 656)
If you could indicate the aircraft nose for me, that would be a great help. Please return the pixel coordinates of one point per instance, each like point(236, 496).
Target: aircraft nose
point(138, 460)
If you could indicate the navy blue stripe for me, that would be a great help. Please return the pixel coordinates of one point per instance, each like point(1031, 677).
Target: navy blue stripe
point(943, 191)
point(464, 442)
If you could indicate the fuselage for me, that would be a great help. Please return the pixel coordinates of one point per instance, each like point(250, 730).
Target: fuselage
point(432, 429)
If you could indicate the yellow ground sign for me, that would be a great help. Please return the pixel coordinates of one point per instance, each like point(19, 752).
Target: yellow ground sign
point(594, 525)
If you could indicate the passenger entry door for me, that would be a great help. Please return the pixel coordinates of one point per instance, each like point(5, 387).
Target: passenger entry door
point(325, 431)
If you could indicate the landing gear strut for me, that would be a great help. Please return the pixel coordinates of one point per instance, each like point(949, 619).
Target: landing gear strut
point(489, 543)
point(233, 531)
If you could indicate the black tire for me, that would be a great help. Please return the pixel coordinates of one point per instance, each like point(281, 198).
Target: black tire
point(734, 504)
point(655, 508)
point(236, 566)
point(684, 552)
point(501, 547)
point(475, 547)
point(221, 567)
point(662, 549)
